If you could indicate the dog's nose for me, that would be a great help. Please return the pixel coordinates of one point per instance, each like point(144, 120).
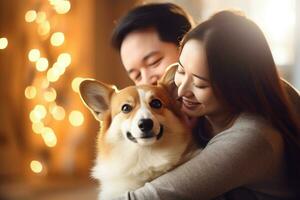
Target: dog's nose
point(145, 124)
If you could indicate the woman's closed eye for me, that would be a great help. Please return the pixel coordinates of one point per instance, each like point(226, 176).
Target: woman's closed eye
point(200, 86)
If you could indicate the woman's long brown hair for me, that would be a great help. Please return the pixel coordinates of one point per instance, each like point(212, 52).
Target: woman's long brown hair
point(243, 74)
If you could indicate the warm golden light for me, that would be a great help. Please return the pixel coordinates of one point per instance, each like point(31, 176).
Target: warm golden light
point(62, 7)
point(64, 59)
point(58, 113)
point(76, 118)
point(3, 43)
point(51, 107)
point(53, 75)
point(41, 17)
point(41, 64)
point(36, 166)
point(38, 127)
point(50, 95)
point(40, 111)
point(33, 117)
point(57, 39)
point(34, 55)
point(59, 68)
point(30, 16)
point(45, 83)
point(49, 137)
point(44, 28)
point(75, 84)
point(30, 92)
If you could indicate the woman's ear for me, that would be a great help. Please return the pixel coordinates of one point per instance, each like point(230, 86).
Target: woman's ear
point(96, 96)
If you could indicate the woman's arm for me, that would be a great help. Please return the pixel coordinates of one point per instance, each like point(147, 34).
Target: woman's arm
point(230, 160)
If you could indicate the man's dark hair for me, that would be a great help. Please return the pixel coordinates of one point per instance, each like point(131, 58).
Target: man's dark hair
point(169, 20)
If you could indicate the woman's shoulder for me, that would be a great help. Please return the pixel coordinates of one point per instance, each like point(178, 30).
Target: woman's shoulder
point(250, 127)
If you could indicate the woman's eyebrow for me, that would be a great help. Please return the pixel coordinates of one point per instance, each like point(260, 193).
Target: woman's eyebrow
point(199, 77)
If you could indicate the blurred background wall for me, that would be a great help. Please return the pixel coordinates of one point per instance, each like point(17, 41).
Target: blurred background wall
point(47, 136)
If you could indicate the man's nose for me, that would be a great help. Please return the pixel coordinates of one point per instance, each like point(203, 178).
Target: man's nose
point(148, 78)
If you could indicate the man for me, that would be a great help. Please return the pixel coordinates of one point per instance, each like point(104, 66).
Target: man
point(148, 37)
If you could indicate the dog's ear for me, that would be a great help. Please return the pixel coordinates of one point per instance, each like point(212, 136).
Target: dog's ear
point(96, 96)
point(167, 80)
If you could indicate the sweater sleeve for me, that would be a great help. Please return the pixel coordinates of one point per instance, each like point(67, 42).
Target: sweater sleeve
point(231, 159)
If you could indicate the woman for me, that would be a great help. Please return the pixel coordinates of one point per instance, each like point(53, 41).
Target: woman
point(227, 78)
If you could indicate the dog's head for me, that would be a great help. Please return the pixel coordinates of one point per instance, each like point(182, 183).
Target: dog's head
point(137, 114)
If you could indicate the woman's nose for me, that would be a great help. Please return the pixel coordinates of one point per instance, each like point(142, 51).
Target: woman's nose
point(184, 87)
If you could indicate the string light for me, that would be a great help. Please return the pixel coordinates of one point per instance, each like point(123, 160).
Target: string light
point(57, 39)
point(3, 43)
point(34, 55)
point(41, 64)
point(38, 127)
point(41, 17)
point(58, 113)
point(45, 83)
point(49, 137)
point(64, 59)
point(52, 75)
point(62, 7)
point(36, 166)
point(44, 28)
point(30, 92)
point(39, 114)
point(30, 16)
point(76, 118)
point(40, 111)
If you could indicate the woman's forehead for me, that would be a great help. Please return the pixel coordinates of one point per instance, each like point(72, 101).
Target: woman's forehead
point(193, 58)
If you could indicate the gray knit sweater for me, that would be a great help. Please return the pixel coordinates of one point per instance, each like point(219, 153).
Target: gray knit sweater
point(244, 162)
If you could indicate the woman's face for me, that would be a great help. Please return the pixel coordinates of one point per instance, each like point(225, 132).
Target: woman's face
point(192, 80)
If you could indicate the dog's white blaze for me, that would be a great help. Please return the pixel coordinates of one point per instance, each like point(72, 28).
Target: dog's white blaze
point(143, 113)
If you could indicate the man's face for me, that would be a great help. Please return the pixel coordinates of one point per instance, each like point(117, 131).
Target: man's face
point(145, 57)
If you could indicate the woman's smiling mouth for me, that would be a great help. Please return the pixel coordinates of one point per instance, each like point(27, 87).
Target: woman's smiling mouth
point(189, 104)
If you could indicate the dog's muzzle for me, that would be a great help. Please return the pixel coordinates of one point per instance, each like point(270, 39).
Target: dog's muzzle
point(147, 133)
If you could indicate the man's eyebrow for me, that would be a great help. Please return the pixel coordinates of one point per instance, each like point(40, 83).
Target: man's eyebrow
point(199, 77)
point(146, 57)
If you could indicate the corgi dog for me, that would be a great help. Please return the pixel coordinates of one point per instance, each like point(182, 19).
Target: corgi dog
point(142, 133)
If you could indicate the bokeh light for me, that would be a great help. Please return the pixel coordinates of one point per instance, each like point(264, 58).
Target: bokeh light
point(34, 55)
point(30, 92)
point(64, 59)
point(62, 7)
point(44, 28)
point(49, 137)
point(38, 127)
point(76, 118)
point(57, 38)
point(58, 112)
point(30, 16)
point(41, 17)
point(36, 166)
point(3, 43)
point(50, 95)
point(42, 64)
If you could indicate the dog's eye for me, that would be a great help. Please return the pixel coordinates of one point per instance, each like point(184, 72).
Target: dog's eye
point(126, 108)
point(155, 103)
